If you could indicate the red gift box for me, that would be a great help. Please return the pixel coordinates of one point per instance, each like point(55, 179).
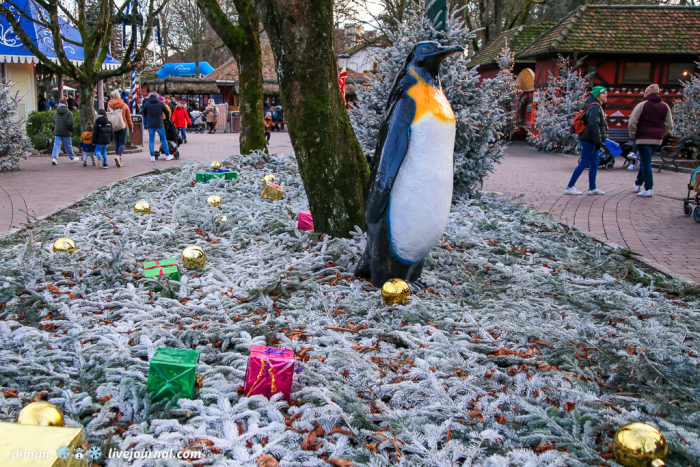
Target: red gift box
point(270, 370)
point(306, 222)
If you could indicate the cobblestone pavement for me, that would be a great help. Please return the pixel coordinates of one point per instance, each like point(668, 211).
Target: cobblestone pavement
point(653, 227)
point(40, 188)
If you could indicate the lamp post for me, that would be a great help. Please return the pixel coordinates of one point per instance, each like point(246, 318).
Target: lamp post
point(343, 60)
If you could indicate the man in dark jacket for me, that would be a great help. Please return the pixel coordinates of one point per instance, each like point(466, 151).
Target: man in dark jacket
point(42, 105)
point(153, 111)
point(71, 103)
point(648, 124)
point(62, 130)
point(592, 139)
point(102, 135)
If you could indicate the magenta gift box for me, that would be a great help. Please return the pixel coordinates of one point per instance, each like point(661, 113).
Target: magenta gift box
point(270, 370)
point(306, 222)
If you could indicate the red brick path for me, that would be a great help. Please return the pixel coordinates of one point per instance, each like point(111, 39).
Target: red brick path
point(40, 188)
point(654, 227)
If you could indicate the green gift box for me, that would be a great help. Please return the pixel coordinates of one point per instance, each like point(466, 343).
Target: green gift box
point(166, 268)
point(171, 373)
point(204, 177)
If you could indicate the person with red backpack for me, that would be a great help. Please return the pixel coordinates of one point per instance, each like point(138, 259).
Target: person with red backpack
point(592, 137)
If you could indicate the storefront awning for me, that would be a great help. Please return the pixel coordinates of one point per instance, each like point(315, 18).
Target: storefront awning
point(12, 50)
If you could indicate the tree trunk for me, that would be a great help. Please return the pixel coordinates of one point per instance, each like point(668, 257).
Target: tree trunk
point(87, 104)
point(244, 43)
point(331, 162)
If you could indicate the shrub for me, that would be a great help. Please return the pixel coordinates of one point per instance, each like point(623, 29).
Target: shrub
point(40, 128)
point(13, 142)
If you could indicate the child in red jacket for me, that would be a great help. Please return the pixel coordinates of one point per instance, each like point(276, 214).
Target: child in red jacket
point(181, 119)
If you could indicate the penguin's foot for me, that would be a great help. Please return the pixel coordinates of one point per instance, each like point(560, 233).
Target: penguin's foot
point(418, 285)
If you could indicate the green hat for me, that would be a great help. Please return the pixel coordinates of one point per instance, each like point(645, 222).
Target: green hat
point(598, 90)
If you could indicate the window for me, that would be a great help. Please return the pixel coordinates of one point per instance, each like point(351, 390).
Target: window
point(679, 71)
point(636, 72)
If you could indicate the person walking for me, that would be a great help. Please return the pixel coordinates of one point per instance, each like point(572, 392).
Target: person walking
point(181, 119)
point(120, 123)
point(212, 114)
point(648, 124)
point(102, 135)
point(43, 104)
point(268, 126)
point(278, 118)
point(62, 130)
point(592, 140)
point(70, 102)
point(153, 114)
point(86, 145)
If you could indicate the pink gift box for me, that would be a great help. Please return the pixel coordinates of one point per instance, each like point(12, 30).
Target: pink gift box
point(306, 222)
point(270, 370)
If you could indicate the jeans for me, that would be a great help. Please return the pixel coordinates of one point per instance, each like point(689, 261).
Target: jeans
point(90, 155)
point(120, 141)
point(589, 156)
point(182, 133)
point(267, 136)
point(645, 174)
point(101, 153)
point(151, 140)
point(62, 140)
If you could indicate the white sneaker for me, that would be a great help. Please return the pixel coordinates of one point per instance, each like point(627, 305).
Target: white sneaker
point(153, 158)
point(71, 161)
point(169, 157)
point(596, 192)
point(646, 193)
point(637, 188)
point(631, 167)
point(572, 191)
point(54, 161)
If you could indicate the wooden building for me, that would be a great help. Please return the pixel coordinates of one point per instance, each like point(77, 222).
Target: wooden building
point(626, 48)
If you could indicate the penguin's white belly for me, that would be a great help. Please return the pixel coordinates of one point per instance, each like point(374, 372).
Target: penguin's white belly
point(420, 200)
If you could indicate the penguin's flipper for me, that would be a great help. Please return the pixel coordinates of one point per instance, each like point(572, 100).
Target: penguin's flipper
point(392, 146)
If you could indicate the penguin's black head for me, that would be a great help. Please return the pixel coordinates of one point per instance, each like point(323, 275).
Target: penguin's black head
point(428, 55)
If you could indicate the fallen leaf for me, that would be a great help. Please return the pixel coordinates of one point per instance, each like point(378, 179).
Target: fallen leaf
point(630, 349)
point(568, 406)
point(309, 442)
point(9, 393)
point(266, 460)
point(490, 373)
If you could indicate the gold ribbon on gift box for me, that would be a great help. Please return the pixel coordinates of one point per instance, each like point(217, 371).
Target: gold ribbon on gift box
point(271, 191)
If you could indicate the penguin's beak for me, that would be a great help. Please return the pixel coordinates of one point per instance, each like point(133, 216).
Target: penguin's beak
point(444, 51)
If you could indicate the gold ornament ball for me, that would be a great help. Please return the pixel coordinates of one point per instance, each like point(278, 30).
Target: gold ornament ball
point(395, 292)
point(216, 165)
point(142, 207)
point(640, 445)
point(40, 413)
point(214, 201)
point(65, 245)
point(221, 219)
point(269, 178)
point(193, 257)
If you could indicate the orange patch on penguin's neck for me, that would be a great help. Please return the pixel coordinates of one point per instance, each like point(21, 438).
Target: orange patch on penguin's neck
point(429, 99)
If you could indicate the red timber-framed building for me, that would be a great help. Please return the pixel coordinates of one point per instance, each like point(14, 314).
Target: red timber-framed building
point(626, 48)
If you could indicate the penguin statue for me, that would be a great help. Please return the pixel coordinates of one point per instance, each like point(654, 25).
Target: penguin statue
point(410, 192)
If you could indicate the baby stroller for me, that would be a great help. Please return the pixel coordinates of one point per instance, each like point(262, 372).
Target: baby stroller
point(172, 138)
point(607, 154)
point(197, 121)
point(694, 200)
point(629, 152)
